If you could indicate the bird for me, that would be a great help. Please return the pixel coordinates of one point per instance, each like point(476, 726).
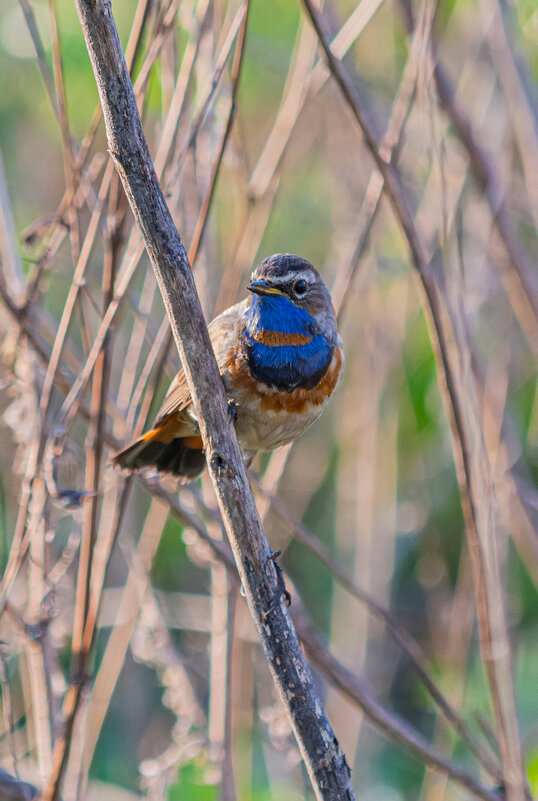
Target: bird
point(281, 359)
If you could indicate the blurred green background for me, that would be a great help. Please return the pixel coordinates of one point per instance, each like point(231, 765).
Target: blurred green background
point(374, 479)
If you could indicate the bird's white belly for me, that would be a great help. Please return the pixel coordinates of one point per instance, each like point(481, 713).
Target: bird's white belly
point(262, 430)
point(267, 417)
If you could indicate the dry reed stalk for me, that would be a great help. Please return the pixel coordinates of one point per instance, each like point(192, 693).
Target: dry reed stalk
point(67, 141)
point(456, 647)
point(471, 459)
point(118, 642)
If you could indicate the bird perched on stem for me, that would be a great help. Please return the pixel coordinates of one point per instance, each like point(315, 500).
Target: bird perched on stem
point(281, 359)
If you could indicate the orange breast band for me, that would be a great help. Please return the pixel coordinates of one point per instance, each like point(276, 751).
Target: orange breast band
point(279, 338)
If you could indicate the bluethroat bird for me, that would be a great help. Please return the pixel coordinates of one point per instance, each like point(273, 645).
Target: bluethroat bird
point(281, 359)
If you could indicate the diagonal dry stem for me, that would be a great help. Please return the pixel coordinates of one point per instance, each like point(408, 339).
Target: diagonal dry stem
point(471, 458)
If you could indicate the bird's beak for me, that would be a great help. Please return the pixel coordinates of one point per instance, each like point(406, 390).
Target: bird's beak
point(263, 288)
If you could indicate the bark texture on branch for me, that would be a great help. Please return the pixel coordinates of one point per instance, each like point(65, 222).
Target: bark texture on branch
point(323, 757)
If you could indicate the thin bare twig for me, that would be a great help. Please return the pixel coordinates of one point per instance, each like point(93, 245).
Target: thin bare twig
point(7, 710)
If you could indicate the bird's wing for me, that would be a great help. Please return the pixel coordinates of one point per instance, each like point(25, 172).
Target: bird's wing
point(176, 400)
point(222, 332)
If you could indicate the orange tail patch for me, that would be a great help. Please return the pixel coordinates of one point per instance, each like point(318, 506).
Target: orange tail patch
point(166, 432)
point(194, 443)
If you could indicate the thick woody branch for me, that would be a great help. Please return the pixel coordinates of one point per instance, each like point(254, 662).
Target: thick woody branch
point(324, 760)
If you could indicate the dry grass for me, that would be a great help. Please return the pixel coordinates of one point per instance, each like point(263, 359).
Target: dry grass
point(405, 515)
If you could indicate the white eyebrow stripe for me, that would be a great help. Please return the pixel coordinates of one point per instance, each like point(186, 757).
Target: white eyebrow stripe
point(285, 279)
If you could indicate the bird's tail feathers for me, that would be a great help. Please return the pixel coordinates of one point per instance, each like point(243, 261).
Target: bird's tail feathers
point(162, 448)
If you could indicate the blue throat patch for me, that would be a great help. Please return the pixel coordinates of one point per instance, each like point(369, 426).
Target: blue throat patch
point(285, 367)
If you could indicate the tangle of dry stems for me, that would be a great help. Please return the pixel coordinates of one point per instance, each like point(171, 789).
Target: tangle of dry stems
point(150, 33)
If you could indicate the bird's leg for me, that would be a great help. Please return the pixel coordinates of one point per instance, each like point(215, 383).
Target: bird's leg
point(232, 410)
point(281, 592)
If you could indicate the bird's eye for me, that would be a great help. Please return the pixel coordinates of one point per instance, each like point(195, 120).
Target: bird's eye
point(300, 286)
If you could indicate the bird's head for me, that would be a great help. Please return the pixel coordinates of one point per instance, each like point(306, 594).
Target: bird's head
point(284, 278)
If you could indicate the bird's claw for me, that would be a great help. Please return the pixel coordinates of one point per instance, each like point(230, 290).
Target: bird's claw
point(281, 592)
point(232, 411)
